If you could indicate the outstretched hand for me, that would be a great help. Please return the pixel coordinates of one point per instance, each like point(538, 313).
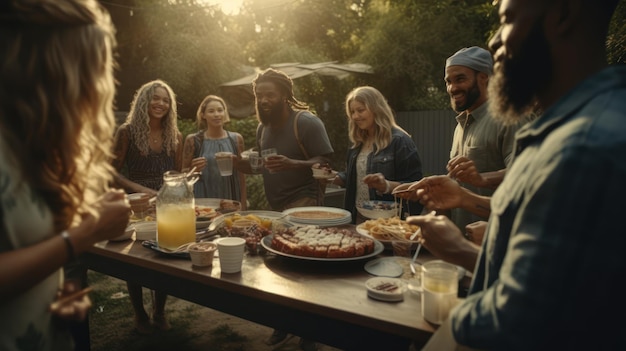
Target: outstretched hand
point(434, 192)
point(441, 237)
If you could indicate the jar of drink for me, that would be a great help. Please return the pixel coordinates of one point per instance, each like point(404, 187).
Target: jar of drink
point(175, 208)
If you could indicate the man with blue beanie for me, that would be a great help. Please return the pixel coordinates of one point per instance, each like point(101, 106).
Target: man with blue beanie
point(482, 147)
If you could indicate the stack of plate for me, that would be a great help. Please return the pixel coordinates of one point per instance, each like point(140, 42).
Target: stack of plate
point(318, 215)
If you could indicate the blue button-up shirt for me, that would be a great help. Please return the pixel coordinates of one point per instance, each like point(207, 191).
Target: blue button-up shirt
point(550, 272)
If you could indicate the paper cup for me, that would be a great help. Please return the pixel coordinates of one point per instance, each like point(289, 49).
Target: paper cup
point(202, 254)
point(231, 251)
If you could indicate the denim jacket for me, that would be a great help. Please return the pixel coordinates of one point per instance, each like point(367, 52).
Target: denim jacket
point(399, 162)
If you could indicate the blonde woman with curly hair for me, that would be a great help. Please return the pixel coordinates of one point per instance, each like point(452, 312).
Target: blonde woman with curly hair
point(56, 122)
point(147, 145)
point(382, 155)
point(200, 148)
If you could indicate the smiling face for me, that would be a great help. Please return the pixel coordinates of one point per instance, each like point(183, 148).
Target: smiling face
point(159, 104)
point(362, 117)
point(462, 84)
point(270, 102)
point(523, 67)
point(214, 114)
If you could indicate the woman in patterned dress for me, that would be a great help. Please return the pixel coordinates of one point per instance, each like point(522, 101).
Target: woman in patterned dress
point(147, 145)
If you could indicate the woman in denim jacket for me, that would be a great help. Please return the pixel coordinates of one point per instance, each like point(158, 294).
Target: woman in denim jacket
point(382, 155)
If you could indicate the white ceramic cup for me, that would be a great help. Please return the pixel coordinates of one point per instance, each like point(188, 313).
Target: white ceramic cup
point(440, 286)
point(230, 251)
point(224, 161)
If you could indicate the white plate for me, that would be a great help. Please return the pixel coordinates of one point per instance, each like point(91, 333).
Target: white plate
point(387, 243)
point(266, 242)
point(395, 295)
point(217, 221)
point(325, 222)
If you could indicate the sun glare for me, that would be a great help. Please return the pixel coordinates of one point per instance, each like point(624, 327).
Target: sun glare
point(230, 7)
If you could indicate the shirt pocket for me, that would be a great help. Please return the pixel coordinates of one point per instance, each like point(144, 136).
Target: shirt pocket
point(383, 163)
point(478, 154)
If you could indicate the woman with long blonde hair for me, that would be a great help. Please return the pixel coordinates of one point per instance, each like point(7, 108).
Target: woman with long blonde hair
point(147, 145)
point(382, 155)
point(56, 122)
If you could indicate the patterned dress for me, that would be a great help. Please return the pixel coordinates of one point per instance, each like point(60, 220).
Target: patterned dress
point(147, 170)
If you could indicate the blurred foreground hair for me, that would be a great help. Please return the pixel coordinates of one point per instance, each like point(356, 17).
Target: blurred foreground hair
point(56, 99)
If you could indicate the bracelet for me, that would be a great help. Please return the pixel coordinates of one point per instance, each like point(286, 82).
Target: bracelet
point(387, 188)
point(68, 244)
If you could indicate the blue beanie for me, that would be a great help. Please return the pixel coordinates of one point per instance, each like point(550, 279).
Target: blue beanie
point(473, 57)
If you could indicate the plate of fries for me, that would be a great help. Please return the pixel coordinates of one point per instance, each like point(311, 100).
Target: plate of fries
point(387, 230)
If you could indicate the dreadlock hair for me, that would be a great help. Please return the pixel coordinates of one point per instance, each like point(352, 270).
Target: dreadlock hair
point(283, 82)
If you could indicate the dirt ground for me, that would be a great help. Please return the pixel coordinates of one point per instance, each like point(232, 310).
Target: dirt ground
point(195, 327)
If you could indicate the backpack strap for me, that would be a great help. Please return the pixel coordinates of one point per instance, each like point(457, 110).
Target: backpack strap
point(295, 132)
point(261, 128)
point(197, 143)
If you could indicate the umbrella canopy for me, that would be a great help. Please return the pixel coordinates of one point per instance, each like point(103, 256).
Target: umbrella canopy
point(239, 96)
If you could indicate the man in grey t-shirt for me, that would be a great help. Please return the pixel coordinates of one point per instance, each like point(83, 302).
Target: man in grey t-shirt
point(298, 136)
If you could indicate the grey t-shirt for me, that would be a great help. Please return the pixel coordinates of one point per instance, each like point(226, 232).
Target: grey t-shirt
point(285, 187)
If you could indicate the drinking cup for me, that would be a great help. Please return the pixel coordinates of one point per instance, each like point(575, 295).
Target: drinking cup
point(139, 203)
point(256, 162)
point(230, 251)
point(224, 161)
point(267, 153)
point(202, 254)
point(439, 290)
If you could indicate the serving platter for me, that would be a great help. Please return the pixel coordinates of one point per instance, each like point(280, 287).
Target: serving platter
point(336, 216)
point(387, 243)
point(266, 242)
point(153, 245)
point(217, 221)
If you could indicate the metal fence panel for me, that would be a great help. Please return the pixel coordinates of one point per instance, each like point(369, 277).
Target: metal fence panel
point(432, 132)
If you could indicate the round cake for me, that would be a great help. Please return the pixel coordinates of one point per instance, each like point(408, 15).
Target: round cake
point(312, 241)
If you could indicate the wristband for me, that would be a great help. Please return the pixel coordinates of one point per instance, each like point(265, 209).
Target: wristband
point(388, 188)
point(68, 244)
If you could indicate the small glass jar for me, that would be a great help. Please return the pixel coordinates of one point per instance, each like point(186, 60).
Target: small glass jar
point(175, 208)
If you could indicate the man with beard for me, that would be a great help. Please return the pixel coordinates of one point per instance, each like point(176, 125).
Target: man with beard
point(480, 144)
point(288, 178)
point(547, 275)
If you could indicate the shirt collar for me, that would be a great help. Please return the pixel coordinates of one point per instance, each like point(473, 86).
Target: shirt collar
point(607, 79)
point(478, 114)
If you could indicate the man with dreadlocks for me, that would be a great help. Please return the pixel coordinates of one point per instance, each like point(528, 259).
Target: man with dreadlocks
point(298, 136)
point(300, 140)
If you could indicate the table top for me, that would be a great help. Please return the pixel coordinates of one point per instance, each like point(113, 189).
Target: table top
point(330, 292)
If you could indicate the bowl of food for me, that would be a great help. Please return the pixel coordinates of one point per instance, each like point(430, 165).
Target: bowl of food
point(145, 230)
point(202, 253)
point(375, 209)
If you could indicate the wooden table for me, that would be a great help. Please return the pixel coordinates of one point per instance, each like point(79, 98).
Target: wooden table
point(321, 301)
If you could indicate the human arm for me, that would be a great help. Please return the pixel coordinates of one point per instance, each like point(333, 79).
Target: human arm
point(178, 152)
point(242, 179)
point(464, 170)
point(278, 163)
point(189, 150)
point(22, 268)
point(443, 193)
point(442, 238)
